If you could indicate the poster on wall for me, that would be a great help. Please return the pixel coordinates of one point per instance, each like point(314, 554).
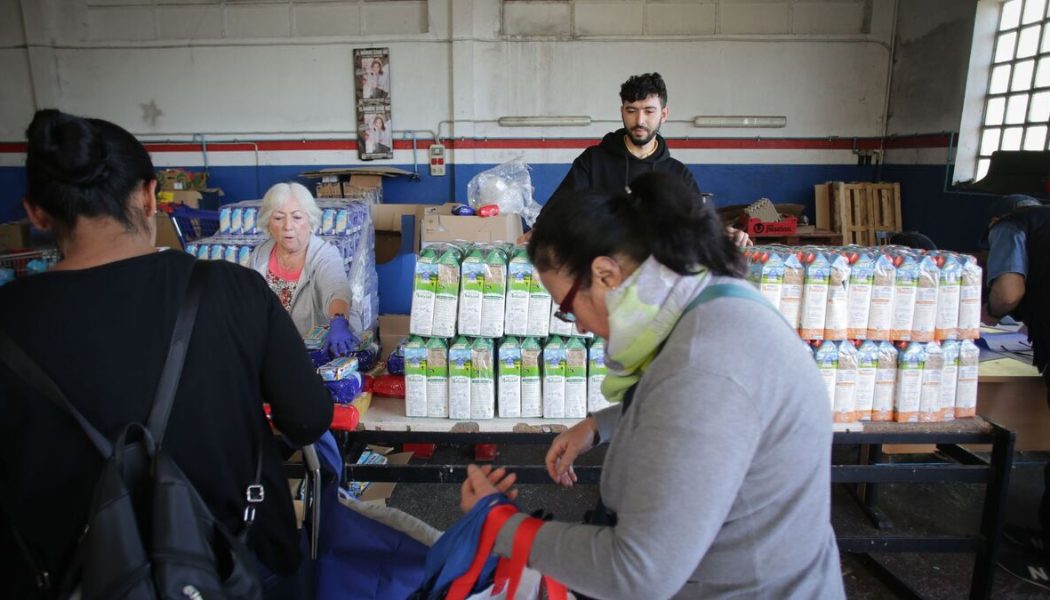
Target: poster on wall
point(375, 138)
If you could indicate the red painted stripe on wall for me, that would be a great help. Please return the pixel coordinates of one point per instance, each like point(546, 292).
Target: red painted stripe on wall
point(919, 141)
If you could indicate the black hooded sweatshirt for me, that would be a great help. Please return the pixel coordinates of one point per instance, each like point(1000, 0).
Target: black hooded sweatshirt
point(610, 167)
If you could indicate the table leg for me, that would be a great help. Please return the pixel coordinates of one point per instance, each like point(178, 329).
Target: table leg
point(994, 512)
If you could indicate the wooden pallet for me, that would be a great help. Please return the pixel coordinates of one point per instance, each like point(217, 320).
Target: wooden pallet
point(863, 213)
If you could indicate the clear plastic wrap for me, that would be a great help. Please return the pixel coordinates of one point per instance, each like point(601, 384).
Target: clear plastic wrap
point(508, 186)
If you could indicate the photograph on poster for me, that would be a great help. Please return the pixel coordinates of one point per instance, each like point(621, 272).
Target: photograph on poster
point(374, 133)
point(372, 70)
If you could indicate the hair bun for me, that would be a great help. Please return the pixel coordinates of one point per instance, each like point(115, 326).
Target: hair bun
point(69, 147)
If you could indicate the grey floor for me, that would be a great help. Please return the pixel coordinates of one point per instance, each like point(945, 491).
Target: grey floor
point(952, 509)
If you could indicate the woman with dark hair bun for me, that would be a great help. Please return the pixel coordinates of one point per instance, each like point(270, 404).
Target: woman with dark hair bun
point(716, 481)
point(99, 324)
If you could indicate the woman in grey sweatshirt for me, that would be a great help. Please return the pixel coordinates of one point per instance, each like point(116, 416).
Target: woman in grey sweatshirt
point(718, 466)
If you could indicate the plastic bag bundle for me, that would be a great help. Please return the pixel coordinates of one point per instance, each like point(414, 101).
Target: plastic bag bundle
point(508, 186)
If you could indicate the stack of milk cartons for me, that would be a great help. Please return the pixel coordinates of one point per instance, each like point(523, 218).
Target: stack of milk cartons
point(853, 303)
point(487, 344)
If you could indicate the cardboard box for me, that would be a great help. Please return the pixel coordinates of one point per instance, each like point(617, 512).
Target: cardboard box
point(391, 329)
point(822, 206)
point(358, 183)
point(190, 198)
point(181, 179)
point(166, 235)
point(450, 228)
point(396, 245)
point(14, 235)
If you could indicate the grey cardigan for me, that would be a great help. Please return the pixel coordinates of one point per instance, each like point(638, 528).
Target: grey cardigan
point(323, 279)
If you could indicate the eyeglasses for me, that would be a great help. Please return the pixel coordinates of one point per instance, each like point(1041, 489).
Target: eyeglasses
point(564, 311)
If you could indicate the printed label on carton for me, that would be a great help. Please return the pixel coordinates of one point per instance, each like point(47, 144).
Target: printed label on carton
point(510, 378)
point(494, 301)
point(949, 380)
point(880, 313)
point(539, 308)
point(827, 357)
point(424, 284)
point(932, 374)
point(459, 369)
point(554, 379)
point(948, 299)
point(519, 283)
point(415, 378)
point(472, 285)
point(815, 298)
point(446, 298)
point(904, 299)
point(910, 365)
point(482, 381)
point(867, 365)
point(925, 319)
point(575, 379)
point(437, 379)
point(791, 293)
point(845, 383)
point(531, 395)
point(966, 389)
point(885, 383)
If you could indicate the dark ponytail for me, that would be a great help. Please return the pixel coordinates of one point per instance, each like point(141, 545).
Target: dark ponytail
point(83, 167)
point(660, 217)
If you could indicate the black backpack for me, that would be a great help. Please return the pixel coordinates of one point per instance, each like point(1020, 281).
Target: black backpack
point(148, 534)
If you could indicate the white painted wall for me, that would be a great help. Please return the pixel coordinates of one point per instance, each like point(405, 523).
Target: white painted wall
point(251, 68)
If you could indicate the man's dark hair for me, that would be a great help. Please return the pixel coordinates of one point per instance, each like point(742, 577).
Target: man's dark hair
point(640, 87)
point(912, 239)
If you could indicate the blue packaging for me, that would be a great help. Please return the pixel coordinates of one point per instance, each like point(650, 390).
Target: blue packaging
point(345, 390)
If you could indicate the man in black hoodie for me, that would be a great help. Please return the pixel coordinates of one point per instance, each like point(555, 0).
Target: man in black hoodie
point(635, 149)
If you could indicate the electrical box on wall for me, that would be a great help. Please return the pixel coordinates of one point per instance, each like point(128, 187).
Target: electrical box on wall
point(437, 160)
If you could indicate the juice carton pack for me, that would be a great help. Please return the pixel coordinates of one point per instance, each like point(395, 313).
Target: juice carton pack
point(948, 298)
point(424, 290)
point(342, 221)
point(596, 371)
point(494, 294)
point(575, 378)
point(826, 354)
point(236, 219)
point(554, 379)
point(932, 376)
point(459, 371)
point(557, 326)
point(327, 221)
point(250, 220)
point(836, 318)
point(966, 389)
point(791, 292)
point(539, 308)
point(885, 383)
point(767, 274)
point(858, 302)
point(471, 287)
point(415, 352)
point(926, 291)
point(904, 297)
point(437, 378)
point(845, 383)
point(509, 370)
point(482, 379)
point(883, 287)
point(338, 369)
point(867, 369)
point(970, 299)
point(814, 295)
point(910, 365)
point(225, 214)
point(949, 379)
point(519, 283)
point(531, 395)
point(446, 297)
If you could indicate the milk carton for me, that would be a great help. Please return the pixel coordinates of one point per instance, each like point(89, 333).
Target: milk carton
point(768, 275)
point(554, 379)
point(575, 378)
point(539, 307)
point(531, 396)
point(948, 298)
point(846, 384)
point(966, 389)
point(970, 299)
point(328, 221)
point(858, 301)
point(904, 293)
point(932, 377)
point(437, 378)
point(472, 284)
point(867, 370)
point(836, 320)
point(885, 383)
point(910, 365)
point(596, 371)
point(509, 368)
point(415, 377)
point(814, 296)
point(927, 286)
point(949, 380)
point(446, 297)
point(791, 292)
point(225, 214)
point(250, 220)
point(459, 370)
point(236, 219)
point(826, 354)
point(482, 380)
point(883, 287)
point(519, 283)
point(494, 294)
point(342, 221)
point(424, 291)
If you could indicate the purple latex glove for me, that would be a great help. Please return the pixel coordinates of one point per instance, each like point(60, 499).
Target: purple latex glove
point(340, 340)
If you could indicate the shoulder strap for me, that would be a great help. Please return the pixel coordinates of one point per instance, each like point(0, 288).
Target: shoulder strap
point(180, 342)
point(731, 290)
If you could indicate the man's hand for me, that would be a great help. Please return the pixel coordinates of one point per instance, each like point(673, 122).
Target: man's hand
point(566, 447)
point(739, 237)
point(484, 481)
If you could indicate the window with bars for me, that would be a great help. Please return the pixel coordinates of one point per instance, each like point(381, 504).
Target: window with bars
point(1017, 106)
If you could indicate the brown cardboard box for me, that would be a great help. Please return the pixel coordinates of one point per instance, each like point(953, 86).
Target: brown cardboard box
point(365, 183)
point(190, 198)
point(387, 221)
point(822, 206)
point(391, 329)
point(451, 228)
point(14, 235)
point(380, 491)
point(166, 235)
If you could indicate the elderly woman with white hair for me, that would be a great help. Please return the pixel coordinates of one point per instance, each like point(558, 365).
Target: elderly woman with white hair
point(304, 271)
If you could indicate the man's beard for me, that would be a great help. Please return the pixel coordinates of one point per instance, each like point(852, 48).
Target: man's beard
point(645, 140)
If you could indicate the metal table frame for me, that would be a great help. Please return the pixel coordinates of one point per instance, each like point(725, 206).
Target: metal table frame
point(862, 479)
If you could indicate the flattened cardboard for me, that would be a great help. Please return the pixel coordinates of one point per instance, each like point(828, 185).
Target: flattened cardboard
point(451, 228)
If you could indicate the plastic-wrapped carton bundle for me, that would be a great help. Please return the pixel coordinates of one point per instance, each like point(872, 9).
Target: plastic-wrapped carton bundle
point(885, 383)
point(509, 375)
point(459, 371)
point(538, 324)
point(949, 380)
point(814, 295)
point(836, 317)
point(437, 378)
point(415, 352)
point(482, 380)
point(446, 297)
point(554, 378)
point(858, 301)
point(950, 287)
point(424, 292)
point(883, 288)
point(910, 365)
point(531, 394)
point(826, 353)
point(519, 284)
point(970, 299)
point(471, 288)
point(596, 371)
point(867, 373)
point(575, 378)
point(494, 294)
point(966, 388)
point(844, 405)
point(927, 286)
point(904, 293)
point(932, 377)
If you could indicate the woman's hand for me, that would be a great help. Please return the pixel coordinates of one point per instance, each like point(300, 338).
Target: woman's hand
point(340, 340)
point(484, 481)
point(566, 447)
